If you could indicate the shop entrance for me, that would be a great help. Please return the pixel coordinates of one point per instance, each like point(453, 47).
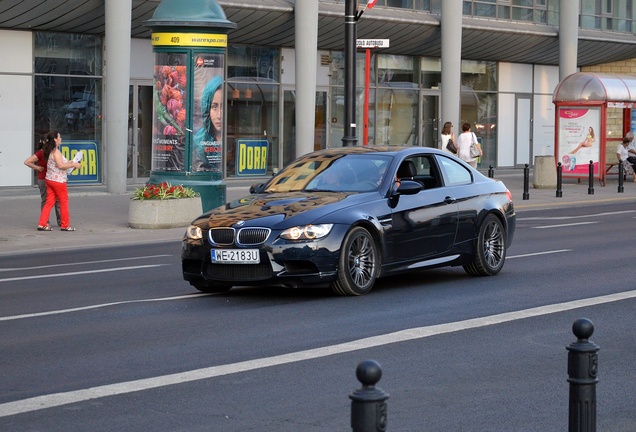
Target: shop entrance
point(139, 132)
point(429, 131)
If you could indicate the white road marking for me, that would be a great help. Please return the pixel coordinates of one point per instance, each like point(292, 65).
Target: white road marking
point(98, 306)
point(59, 399)
point(539, 253)
point(63, 311)
point(563, 225)
point(82, 263)
point(574, 217)
point(80, 272)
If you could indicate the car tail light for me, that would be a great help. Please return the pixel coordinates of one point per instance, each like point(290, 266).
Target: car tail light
point(509, 195)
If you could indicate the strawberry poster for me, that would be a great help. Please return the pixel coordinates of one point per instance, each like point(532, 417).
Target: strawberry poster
point(169, 110)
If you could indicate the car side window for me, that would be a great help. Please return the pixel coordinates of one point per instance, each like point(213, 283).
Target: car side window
point(427, 174)
point(454, 173)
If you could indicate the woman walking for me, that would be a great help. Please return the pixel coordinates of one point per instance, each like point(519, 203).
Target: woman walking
point(56, 177)
point(464, 142)
point(37, 162)
point(448, 135)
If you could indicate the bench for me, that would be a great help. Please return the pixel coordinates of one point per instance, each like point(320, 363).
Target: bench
point(612, 169)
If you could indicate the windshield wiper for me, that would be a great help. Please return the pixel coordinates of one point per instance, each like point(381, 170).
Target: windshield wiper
point(319, 190)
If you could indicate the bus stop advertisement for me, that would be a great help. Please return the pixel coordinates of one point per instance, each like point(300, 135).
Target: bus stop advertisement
point(189, 41)
point(593, 113)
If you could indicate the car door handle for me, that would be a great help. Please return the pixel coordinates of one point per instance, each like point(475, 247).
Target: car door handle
point(449, 200)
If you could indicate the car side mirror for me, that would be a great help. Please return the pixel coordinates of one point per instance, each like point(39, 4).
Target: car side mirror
point(409, 187)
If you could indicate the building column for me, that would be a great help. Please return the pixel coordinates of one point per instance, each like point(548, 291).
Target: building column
point(116, 81)
point(451, 63)
point(306, 25)
point(568, 37)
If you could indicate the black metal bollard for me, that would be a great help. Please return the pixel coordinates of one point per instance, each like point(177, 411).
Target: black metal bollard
point(559, 189)
point(526, 182)
point(621, 189)
point(368, 406)
point(590, 188)
point(582, 371)
point(491, 172)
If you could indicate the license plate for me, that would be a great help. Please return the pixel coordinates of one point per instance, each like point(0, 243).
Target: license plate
point(236, 256)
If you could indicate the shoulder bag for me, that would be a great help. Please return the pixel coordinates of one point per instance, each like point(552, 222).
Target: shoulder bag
point(451, 147)
point(475, 152)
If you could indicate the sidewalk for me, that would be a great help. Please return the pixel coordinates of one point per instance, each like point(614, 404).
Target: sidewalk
point(101, 219)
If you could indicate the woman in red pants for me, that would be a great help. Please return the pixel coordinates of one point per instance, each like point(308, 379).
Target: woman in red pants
point(56, 176)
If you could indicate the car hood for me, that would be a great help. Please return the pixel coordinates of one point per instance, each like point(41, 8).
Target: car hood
point(272, 209)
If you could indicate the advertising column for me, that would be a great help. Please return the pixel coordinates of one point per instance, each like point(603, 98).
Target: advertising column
point(189, 40)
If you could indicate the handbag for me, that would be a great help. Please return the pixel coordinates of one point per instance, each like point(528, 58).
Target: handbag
point(474, 148)
point(451, 147)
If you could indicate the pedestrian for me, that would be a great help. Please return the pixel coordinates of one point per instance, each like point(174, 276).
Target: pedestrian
point(37, 162)
point(631, 148)
point(465, 141)
point(56, 177)
point(448, 136)
point(623, 156)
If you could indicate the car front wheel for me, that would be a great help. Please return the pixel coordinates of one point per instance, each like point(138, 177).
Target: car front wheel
point(358, 264)
point(490, 252)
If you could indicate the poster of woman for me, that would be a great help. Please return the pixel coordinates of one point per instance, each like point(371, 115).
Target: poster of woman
point(578, 140)
point(207, 143)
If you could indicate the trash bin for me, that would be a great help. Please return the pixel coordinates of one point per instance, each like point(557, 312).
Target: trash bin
point(545, 176)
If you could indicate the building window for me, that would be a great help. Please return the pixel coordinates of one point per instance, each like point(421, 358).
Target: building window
point(252, 105)
point(607, 15)
point(67, 91)
point(479, 104)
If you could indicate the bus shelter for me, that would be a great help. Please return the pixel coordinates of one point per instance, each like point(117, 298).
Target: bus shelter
point(593, 113)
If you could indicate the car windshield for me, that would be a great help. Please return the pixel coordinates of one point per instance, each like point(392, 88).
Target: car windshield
point(340, 173)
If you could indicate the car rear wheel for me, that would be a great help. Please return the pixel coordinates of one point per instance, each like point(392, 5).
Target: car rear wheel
point(209, 287)
point(490, 253)
point(357, 265)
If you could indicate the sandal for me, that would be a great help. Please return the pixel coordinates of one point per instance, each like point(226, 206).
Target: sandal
point(68, 229)
point(45, 228)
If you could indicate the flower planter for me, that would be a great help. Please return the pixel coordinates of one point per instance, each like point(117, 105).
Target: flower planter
point(169, 213)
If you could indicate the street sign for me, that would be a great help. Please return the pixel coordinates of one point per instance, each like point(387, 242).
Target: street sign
point(372, 43)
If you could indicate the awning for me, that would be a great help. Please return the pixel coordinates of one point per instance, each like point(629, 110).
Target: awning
point(589, 87)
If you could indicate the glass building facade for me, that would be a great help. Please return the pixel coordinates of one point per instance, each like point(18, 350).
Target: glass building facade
point(403, 91)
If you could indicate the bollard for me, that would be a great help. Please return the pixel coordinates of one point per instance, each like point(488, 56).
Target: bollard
point(526, 181)
point(491, 172)
point(590, 188)
point(559, 189)
point(621, 189)
point(368, 406)
point(582, 371)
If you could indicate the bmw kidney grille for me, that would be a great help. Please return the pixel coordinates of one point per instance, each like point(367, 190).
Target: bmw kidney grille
point(242, 237)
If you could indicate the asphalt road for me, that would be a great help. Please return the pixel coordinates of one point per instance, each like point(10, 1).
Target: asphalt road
point(112, 339)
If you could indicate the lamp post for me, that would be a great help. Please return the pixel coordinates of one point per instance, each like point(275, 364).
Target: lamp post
point(351, 34)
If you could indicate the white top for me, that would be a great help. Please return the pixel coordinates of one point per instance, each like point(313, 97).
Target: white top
point(621, 151)
point(463, 145)
point(54, 173)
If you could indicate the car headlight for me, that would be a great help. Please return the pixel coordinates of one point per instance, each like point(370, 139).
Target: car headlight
point(194, 232)
point(307, 232)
